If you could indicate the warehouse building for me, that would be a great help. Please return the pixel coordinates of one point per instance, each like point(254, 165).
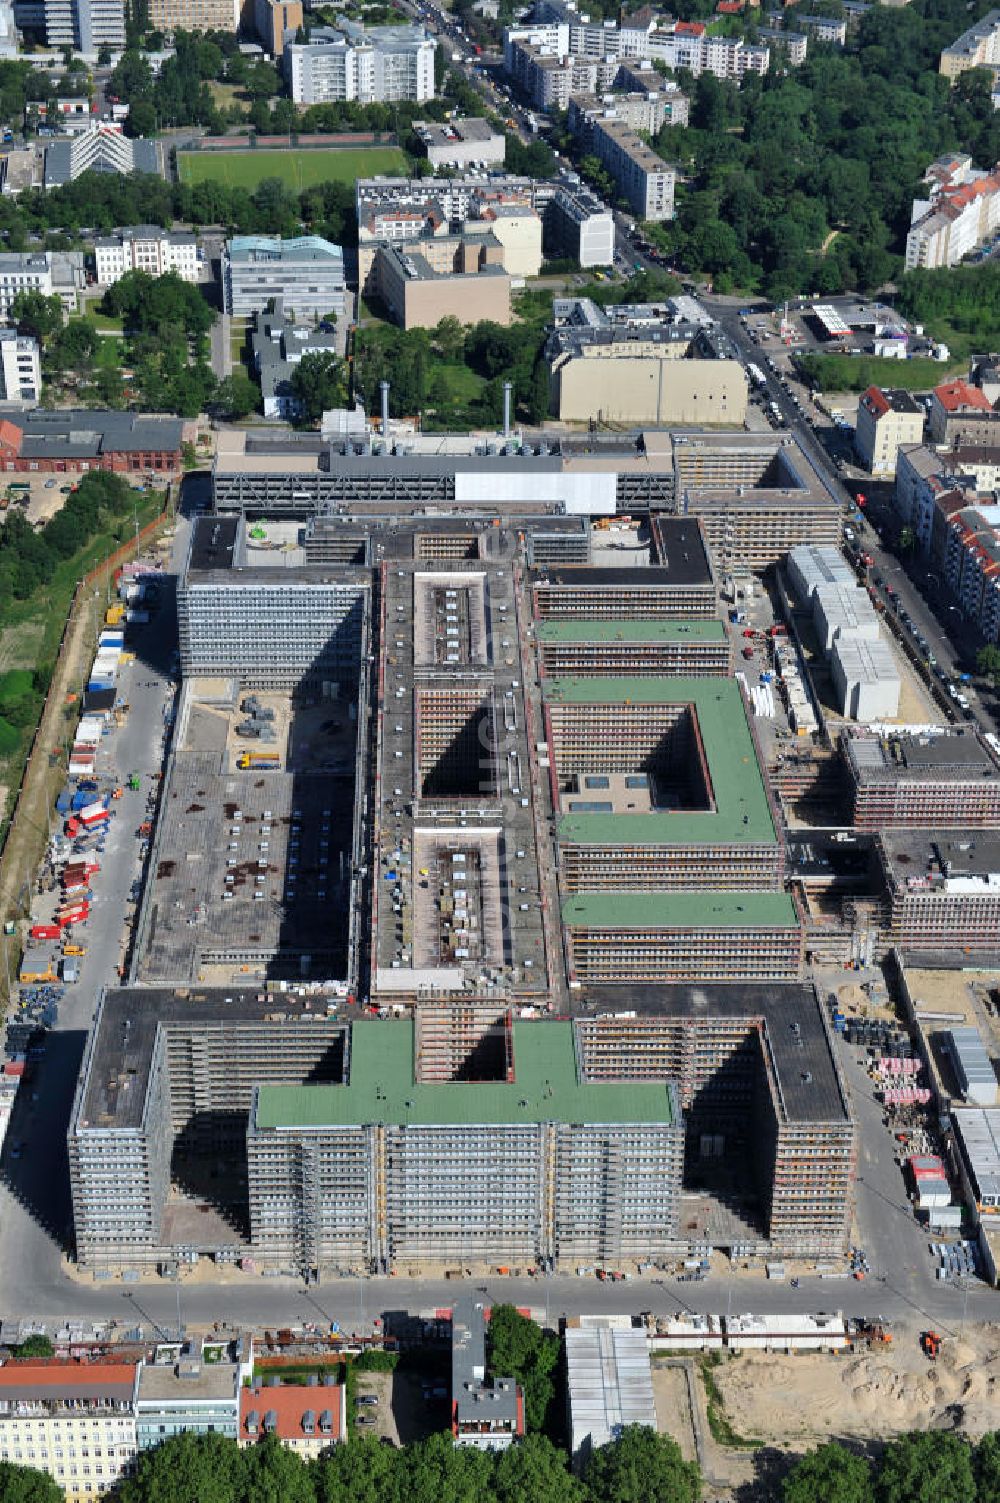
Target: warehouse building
point(942, 890)
point(545, 1167)
point(808, 567)
point(949, 780)
point(866, 679)
point(977, 1133)
point(609, 1384)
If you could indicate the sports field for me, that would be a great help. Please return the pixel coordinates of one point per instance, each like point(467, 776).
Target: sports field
point(299, 169)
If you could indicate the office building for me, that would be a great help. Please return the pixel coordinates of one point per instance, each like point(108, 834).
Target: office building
point(73, 1420)
point(573, 646)
point(145, 248)
point(306, 273)
point(195, 15)
point(887, 419)
point(760, 1089)
point(962, 212)
point(582, 226)
point(20, 368)
point(978, 47)
point(102, 148)
point(949, 780)
point(460, 276)
point(609, 1384)
point(942, 891)
point(276, 21)
point(536, 1164)
point(486, 1413)
point(238, 616)
point(305, 1420)
point(192, 1388)
point(73, 441)
point(378, 66)
point(85, 25)
point(53, 274)
point(461, 142)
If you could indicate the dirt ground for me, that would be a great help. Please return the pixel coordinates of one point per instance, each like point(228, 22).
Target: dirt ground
point(788, 1400)
point(673, 1411)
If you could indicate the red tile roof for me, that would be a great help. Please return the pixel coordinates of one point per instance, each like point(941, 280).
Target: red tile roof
point(874, 400)
point(10, 436)
point(66, 1376)
point(954, 395)
point(690, 28)
point(289, 1403)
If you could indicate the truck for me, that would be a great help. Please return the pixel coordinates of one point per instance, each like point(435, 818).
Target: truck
point(757, 376)
point(37, 978)
point(114, 615)
point(258, 762)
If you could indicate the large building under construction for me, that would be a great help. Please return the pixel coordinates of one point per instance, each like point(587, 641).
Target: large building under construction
point(437, 755)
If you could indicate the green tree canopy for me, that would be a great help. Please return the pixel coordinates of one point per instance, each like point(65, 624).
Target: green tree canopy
point(23, 1484)
point(319, 381)
point(930, 1466)
point(31, 1349)
point(831, 1474)
point(986, 1465)
point(641, 1467)
point(518, 1348)
point(189, 1468)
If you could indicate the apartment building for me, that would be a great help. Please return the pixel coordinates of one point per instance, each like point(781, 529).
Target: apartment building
point(276, 20)
point(978, 47)
point(73, 1420)
point(793, 44)
point(962, 414)
point(375, 66)
point(679, 44)
point(644, 179)
point(642, 78)
point(571, 646)
point(20, 368)
point(758, 1083)
point(949, 780)
point(582, 226)
point(145, 248)
point(306, 273)
point(551, 79)
point(277, 346)
point(689, 45)
point(931, 487)
point(266, 626)
point(961, 213)
point(305, 1420)
point(486, 1413)
point(887, 419)
point(542, 1167)
point(942, 891)
point(972, 565)
point(643, 110)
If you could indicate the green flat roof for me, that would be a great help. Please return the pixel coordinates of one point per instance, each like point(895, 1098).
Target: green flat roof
point(576, 629)
point(742, 815)
point(382, 1088)
point(681, 910)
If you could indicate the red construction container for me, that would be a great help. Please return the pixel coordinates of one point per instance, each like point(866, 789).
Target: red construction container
point(78, 915)
point(44, 931)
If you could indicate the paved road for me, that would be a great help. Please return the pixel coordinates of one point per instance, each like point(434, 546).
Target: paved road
point(220, 341)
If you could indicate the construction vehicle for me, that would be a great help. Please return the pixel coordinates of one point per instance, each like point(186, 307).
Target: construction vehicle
point(930, 1344)
point(74, 950)
point(35, 978)
point(874, 1332)
point(114, 615)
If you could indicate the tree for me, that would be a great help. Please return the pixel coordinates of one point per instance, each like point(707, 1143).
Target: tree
point(988, 663)
point(363, 1472)
point(986, 1465)
point(31, 1349)
point(188, 1468)
point(535, 1472)
point(449, 338)
point(830, 1474)
point(907, 539)
point(521, 1349)
point(237, 396)
point(319, 381)
point(141, 119)
point(23, 1484)
point(276, 1475)
point(929, 1466)
point(36, 314)
point(641, 1466)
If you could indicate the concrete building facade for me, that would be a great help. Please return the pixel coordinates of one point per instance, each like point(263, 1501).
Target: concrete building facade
point(378, 66)
point(307, 274)
point(20, 368)
point(886, 421)
point(145, 248)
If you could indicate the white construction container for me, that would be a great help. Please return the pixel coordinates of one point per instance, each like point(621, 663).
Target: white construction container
point(866, 679)
point(841, 610)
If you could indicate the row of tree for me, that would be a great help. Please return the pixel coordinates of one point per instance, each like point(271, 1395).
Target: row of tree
point(101, 502)
point(929, 1466)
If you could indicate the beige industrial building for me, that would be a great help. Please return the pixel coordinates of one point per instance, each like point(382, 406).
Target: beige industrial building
point(646, 382)
point(508, 236)
point(457, 276)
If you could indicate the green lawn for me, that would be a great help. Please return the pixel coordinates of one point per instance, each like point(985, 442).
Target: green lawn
point(299, 169)
point(857, 373)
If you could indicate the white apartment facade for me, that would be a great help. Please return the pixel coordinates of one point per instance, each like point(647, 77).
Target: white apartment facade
point(642, 177)
point(20, 368)
point(962, 212)
point(886, 421)
point(145, 248)
point(54, 274)
point(85, 25)
point(75, 1421)
point(374, 67)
